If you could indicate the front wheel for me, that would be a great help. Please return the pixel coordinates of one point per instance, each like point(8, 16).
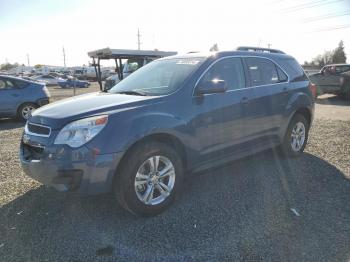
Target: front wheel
point(296, 136)
point(149, 180)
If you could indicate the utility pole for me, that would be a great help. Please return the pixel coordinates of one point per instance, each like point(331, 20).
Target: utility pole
point(138, 39)
point(28, 59)
point(268, 46)
point(64, 58)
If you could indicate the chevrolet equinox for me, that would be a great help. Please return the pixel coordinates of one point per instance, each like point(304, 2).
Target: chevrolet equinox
point(175, 116)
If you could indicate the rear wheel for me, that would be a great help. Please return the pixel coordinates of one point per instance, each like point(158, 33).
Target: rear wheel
point(149, 180)
point(25, 111)
point(296, 136)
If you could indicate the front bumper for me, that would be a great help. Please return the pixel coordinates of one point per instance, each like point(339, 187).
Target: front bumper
point(81, 170)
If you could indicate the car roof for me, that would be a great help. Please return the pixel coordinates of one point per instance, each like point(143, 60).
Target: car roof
point(17, 78)
point(220, 54)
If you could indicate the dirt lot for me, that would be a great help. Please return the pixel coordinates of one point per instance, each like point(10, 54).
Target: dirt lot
point(239, 212)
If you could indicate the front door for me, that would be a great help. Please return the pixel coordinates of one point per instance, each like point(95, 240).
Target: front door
point(220, 120)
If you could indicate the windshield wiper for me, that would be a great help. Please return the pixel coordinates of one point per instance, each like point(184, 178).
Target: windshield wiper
point(133, 92)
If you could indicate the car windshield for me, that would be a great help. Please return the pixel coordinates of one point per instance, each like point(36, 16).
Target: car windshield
point(160, 77)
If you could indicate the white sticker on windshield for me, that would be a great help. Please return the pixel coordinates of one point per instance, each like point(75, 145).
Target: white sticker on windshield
point(187, 62)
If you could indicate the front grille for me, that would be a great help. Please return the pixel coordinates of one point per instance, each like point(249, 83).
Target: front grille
point(32, 152)
point(40, 130)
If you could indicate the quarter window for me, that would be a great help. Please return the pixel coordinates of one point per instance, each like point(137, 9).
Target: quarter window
point(262, 71)
point(282, 77)
point(228, 69)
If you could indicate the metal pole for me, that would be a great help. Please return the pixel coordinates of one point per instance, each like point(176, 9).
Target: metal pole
point(99, 73)
point(64, 57)
point(121, 69)
point(74, 86)
point(138, 39)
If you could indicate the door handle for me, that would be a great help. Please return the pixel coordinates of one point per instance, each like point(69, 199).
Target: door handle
point(285, 88)
point(244, 100)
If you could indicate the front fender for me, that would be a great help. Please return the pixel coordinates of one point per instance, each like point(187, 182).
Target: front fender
point(128, 127)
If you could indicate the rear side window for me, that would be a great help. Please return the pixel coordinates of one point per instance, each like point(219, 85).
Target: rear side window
point(228, 69)
point(262, 71)
point(20, 84)
point(294, 70)
point(6, 84)
point(281, 75)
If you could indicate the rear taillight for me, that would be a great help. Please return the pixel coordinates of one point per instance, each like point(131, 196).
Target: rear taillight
point(313, 89)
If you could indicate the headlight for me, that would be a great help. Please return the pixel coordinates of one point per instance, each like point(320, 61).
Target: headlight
point(79, 132)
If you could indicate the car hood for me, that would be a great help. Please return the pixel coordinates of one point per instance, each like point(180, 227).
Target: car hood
point(58, 114)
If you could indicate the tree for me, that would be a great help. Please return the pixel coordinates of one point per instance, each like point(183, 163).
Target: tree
point(330, 57)
point(339, 54)
point(38, 66)
point(8, 66)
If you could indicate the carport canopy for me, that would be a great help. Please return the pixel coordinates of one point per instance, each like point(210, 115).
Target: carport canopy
point(118, 55)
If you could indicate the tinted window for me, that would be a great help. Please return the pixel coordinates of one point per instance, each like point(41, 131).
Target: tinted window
point(230, 70)
point(262, 71)
point(19, 83)
point(344, 68)
point(294, 70)
point(6, 84)
point(2, 84)
point(282, 77)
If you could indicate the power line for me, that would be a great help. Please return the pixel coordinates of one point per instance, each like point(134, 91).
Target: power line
point(309, 5)
point(324, 17)
point(303, 5)
point(331, 28)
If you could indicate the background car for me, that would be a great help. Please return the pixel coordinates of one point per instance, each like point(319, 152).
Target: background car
point(19, 97)
point(70, 82)
point(49, 79)
point(333, 79)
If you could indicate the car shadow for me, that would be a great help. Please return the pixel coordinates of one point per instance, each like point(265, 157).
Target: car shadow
point(7, 124)
point(332, 100)
point(260, 208)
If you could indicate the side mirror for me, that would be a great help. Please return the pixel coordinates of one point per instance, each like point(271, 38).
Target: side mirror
point(211, 87)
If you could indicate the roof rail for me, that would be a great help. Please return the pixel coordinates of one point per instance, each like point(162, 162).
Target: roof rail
point(259, 49)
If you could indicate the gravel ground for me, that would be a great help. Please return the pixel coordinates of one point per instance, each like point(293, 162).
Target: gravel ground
point(239, 212)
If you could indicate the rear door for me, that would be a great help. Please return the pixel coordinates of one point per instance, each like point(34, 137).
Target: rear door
point(220, 118)
point(269, 96)
point(10, 96)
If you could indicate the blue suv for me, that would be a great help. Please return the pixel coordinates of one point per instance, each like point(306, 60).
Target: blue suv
point(172, 117)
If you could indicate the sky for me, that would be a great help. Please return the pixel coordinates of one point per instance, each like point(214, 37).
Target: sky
point(41, 28)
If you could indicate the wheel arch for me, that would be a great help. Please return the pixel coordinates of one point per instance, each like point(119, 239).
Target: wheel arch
point(25, 102)
point(165, 138)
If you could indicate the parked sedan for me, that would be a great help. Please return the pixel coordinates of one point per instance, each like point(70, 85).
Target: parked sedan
point(19, 97)
point(69, 82)
point(49, 79)
point(333, 79)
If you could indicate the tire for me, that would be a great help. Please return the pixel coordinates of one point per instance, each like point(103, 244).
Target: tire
point(135, 180)
point(24, 109)
point(294, 146)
